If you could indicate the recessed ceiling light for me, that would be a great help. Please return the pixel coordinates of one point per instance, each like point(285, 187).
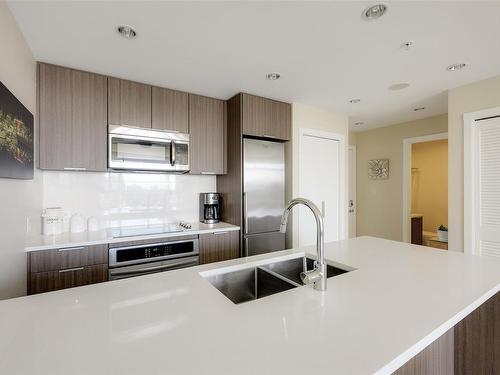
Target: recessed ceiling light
point(375, 11)
point(273, 76)
point(398, 86)
point(126, 31)
point(354, 101)
point(359, 123)
point(454, 67)
point(418, 109)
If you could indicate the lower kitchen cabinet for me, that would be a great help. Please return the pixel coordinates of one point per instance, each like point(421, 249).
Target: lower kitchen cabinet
point(70, 257)
point(219, 246)
point(41, 282)
point(63, 268)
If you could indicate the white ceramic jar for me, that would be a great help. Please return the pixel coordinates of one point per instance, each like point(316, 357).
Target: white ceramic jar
point(53, 220)
point(77, 224)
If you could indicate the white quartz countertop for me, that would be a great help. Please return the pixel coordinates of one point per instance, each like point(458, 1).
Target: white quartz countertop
point(65, 240)
point(399, 299)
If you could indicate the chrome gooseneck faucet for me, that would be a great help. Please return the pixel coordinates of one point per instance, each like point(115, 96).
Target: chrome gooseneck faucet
point(317, 276)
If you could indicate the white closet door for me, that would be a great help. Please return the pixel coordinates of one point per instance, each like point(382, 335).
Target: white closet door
point(352, 192)
point(487, 187)
point(319, 182)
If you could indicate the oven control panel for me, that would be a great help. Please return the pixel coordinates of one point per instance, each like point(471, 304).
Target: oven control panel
point(144, 253)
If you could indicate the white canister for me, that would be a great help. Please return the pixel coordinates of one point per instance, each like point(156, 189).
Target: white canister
point(77, 224)
point(92, 224)
point(53, 220)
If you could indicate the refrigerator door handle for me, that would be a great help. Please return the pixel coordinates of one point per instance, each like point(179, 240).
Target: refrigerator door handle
point(245, 213)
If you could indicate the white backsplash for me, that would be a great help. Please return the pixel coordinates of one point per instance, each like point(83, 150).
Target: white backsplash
point(120, 199)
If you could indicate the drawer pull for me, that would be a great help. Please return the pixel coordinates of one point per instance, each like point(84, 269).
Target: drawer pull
point(210, 173)
point(72, 248)
point(221, 232)
point(71, 269)
point(75, 169)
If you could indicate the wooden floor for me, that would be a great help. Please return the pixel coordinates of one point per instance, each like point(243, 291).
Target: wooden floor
point(472, 347)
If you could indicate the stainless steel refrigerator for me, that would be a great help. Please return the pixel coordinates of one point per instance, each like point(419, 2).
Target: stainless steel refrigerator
point(263, 195)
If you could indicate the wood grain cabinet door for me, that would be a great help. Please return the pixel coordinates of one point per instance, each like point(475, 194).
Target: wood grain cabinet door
point(56, 259)
point(41, 282)
point(266, 118)
point(256, 115)
point(72, 119)
point(129, 103)
point(55, 269)
point(219, 246)
point(207, 129)
point(281, 124)
point(169, 110)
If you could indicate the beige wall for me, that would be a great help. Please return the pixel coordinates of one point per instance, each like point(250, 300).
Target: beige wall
point(352, 138)
point(429, 182)
point(305, 116)
point(380, 203)
point(20, 200)
point(470, 98)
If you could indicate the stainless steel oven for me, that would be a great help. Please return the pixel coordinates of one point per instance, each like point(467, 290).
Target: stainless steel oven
point(141, 259)
point(140, 149)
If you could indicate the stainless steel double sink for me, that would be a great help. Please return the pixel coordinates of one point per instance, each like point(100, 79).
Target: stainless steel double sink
point(256, 282)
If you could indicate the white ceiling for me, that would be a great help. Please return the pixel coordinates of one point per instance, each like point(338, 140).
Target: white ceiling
point(325, 52)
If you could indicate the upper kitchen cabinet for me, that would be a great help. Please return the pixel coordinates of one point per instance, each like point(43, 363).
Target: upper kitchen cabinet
point(266, 118)
point(170, 110)
point(129, 103)
point(207, 129)
point(72, 119)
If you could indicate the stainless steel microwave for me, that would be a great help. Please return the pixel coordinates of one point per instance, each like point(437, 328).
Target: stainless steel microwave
point(139, 149)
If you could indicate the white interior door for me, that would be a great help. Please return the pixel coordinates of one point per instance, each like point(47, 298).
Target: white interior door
point(352, 191)
point(320, 182)
point(485, 187)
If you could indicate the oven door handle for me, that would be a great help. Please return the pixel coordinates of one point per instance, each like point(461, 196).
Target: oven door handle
point(149, 269)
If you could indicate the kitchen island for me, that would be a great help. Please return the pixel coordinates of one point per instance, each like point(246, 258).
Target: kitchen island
point(396, 300)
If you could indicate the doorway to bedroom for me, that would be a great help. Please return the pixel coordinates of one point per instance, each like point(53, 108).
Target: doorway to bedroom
point(427, 187)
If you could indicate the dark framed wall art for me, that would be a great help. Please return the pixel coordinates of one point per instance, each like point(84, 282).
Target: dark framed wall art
point(16, 137)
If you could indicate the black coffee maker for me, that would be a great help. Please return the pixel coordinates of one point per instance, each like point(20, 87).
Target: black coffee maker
point(210, 208)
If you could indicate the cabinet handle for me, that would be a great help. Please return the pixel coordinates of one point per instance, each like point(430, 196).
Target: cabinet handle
point(75, 169)
point(217, 233)
point(269, 136)
point(172, 153)
point(207, 172)
point(71, 269)
point(72, 248)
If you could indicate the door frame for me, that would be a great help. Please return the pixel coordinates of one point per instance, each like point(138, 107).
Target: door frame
point(353, 148)
point(342, 173)
point(470, 174)
point(407, 143)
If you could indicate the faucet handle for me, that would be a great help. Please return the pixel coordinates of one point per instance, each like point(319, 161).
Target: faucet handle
point(310, 277)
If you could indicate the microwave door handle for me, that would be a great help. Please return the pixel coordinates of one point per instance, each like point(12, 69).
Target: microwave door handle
point(172, 153)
